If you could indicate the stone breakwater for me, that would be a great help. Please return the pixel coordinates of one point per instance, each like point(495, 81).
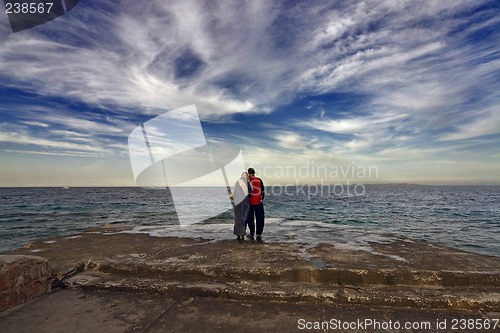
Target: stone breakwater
point(396, 274)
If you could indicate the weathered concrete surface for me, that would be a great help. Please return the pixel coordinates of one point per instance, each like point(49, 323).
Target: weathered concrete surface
point(196, 278)
point(22, 277)
point(106, 311)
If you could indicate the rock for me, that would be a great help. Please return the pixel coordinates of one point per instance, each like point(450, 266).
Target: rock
point(22, 277)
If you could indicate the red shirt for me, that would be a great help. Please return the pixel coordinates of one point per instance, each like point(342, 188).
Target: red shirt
point(258, 190)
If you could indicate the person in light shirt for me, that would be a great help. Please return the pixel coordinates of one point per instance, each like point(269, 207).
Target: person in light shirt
point(241, 196)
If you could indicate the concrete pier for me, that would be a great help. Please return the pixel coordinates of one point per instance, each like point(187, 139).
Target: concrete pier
point(232, 284)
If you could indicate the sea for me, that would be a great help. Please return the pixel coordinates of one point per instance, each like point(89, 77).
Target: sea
point(461, 217)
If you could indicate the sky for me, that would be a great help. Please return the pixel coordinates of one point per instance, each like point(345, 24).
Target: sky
point(311, 91)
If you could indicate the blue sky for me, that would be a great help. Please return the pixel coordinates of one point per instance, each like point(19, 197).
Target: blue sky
point(411, 88)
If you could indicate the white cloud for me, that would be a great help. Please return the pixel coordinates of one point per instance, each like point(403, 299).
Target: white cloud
point(487, 122)
point(35, 123)
point(103, 74)
point(30, 140)
point(411, 60)
point(328, 47)
point(52, 153)
point(357, 125)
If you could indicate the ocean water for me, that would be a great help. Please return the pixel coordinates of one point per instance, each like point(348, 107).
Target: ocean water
point(463, 217)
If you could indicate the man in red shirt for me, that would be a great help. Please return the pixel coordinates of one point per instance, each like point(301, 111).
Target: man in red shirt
point(256, 205)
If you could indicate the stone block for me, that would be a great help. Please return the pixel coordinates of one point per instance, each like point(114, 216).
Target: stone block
point(22, 278)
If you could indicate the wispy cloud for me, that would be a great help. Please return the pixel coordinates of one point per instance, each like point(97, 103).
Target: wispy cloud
point(246, 55)
point(482, 123)
point(35, 123)
point(36, 141)
point(52, 153)
point(356, 125)
point(428, 72)
point(55, 132)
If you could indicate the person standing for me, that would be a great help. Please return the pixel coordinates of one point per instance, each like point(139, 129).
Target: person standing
point(241, 197)
point(256, 211)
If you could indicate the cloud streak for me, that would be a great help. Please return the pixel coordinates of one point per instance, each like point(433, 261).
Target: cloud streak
point(427, 71)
